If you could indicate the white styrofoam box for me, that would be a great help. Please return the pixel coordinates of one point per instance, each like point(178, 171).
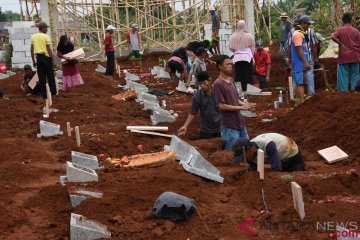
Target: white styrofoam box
point(208, 27)
point(18, 54)
point(22, 24)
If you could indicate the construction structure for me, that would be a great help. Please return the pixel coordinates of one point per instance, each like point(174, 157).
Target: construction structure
point(162, 23)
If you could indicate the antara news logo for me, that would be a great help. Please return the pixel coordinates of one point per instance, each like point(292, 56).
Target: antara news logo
point(335, 229)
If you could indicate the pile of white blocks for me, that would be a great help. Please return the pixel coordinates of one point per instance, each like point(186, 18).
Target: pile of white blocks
point(225, 32)
point(20, 37)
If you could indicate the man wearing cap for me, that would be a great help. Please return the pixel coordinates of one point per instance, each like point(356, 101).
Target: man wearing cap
point(29, 74)
point(348, 39)
point(134, 42)
point(280, 151)
point(215, 26)
point(285, 29)
point(262, 63)
point(300, 56)
point(40, 49)
point(109, 50)
point(204, 100)
point(198, 65)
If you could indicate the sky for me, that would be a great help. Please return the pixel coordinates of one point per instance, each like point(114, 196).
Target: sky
point(12, 5)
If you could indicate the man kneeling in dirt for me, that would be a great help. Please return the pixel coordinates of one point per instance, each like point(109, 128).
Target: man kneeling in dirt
point(29, 74)
point(280, 151)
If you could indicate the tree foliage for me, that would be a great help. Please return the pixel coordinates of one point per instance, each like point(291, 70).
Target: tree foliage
point(9, 16)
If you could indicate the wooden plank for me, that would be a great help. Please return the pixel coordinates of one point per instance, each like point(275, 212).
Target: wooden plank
point(260, 163)
point(151, 159)
point(151, 133)
point(291, 88)
point(148, 128)
point(298, 199)
point(76, 54)
point(34, 81)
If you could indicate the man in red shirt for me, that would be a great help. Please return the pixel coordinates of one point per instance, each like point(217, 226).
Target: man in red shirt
point(262, 62)
point(348, 39)
point(109, 50)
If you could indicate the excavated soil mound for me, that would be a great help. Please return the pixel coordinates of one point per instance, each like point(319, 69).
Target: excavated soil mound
point(33, 205)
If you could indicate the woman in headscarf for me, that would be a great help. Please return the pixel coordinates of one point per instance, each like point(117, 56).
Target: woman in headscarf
point(242, 44)
point(70, 68)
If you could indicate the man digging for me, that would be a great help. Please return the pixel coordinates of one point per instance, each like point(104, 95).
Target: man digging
point(280, 151)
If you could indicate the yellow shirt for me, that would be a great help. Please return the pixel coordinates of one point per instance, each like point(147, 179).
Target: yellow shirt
point(39, 41)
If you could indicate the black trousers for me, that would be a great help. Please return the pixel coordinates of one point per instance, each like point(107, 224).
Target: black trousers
point(110, 65)
point(293, 164)
point(45, 69)
point(243, 73)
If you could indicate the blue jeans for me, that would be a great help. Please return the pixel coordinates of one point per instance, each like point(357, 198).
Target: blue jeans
point(310, 80)
point(282, 44)
point(230, 135)
point(345, 72)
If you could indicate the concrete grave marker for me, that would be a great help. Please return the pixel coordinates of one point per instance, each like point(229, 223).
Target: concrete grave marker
point(82, 228)
point(48, 129)
point(181, 87)
point(298, 199)
point(68, 127)
point(130, 76)
point(149, 97)
point(333, 154)
point(163, 74)
point(77, 173)
point(151, 105)
point(161, 115)
point(59, 74)
point(260, 163)
point(252, 90)
point(78, 196)
point(3, 76)
point(85, 160)
point(100, 69)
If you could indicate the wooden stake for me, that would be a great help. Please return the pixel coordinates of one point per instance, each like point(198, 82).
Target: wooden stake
point(152, 133)
point(48, 94)
point(68, 129)
point(147, 128)
point(291, 88)
point(298, 199)
point(47, 111)
point(260, 163)
point(77, 135)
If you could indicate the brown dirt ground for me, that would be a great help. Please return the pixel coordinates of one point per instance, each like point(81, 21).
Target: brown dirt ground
point(33, 205)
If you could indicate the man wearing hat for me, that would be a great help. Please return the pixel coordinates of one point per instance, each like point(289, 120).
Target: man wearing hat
point(300, 56)
point(215, 26)
point(198, 65)
point(204, 100)
point(262, 63)
point(29, 74)
point(285, 29)
point(280, 151)
point(40, 49)
point(109, 50)
point(134, 42)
